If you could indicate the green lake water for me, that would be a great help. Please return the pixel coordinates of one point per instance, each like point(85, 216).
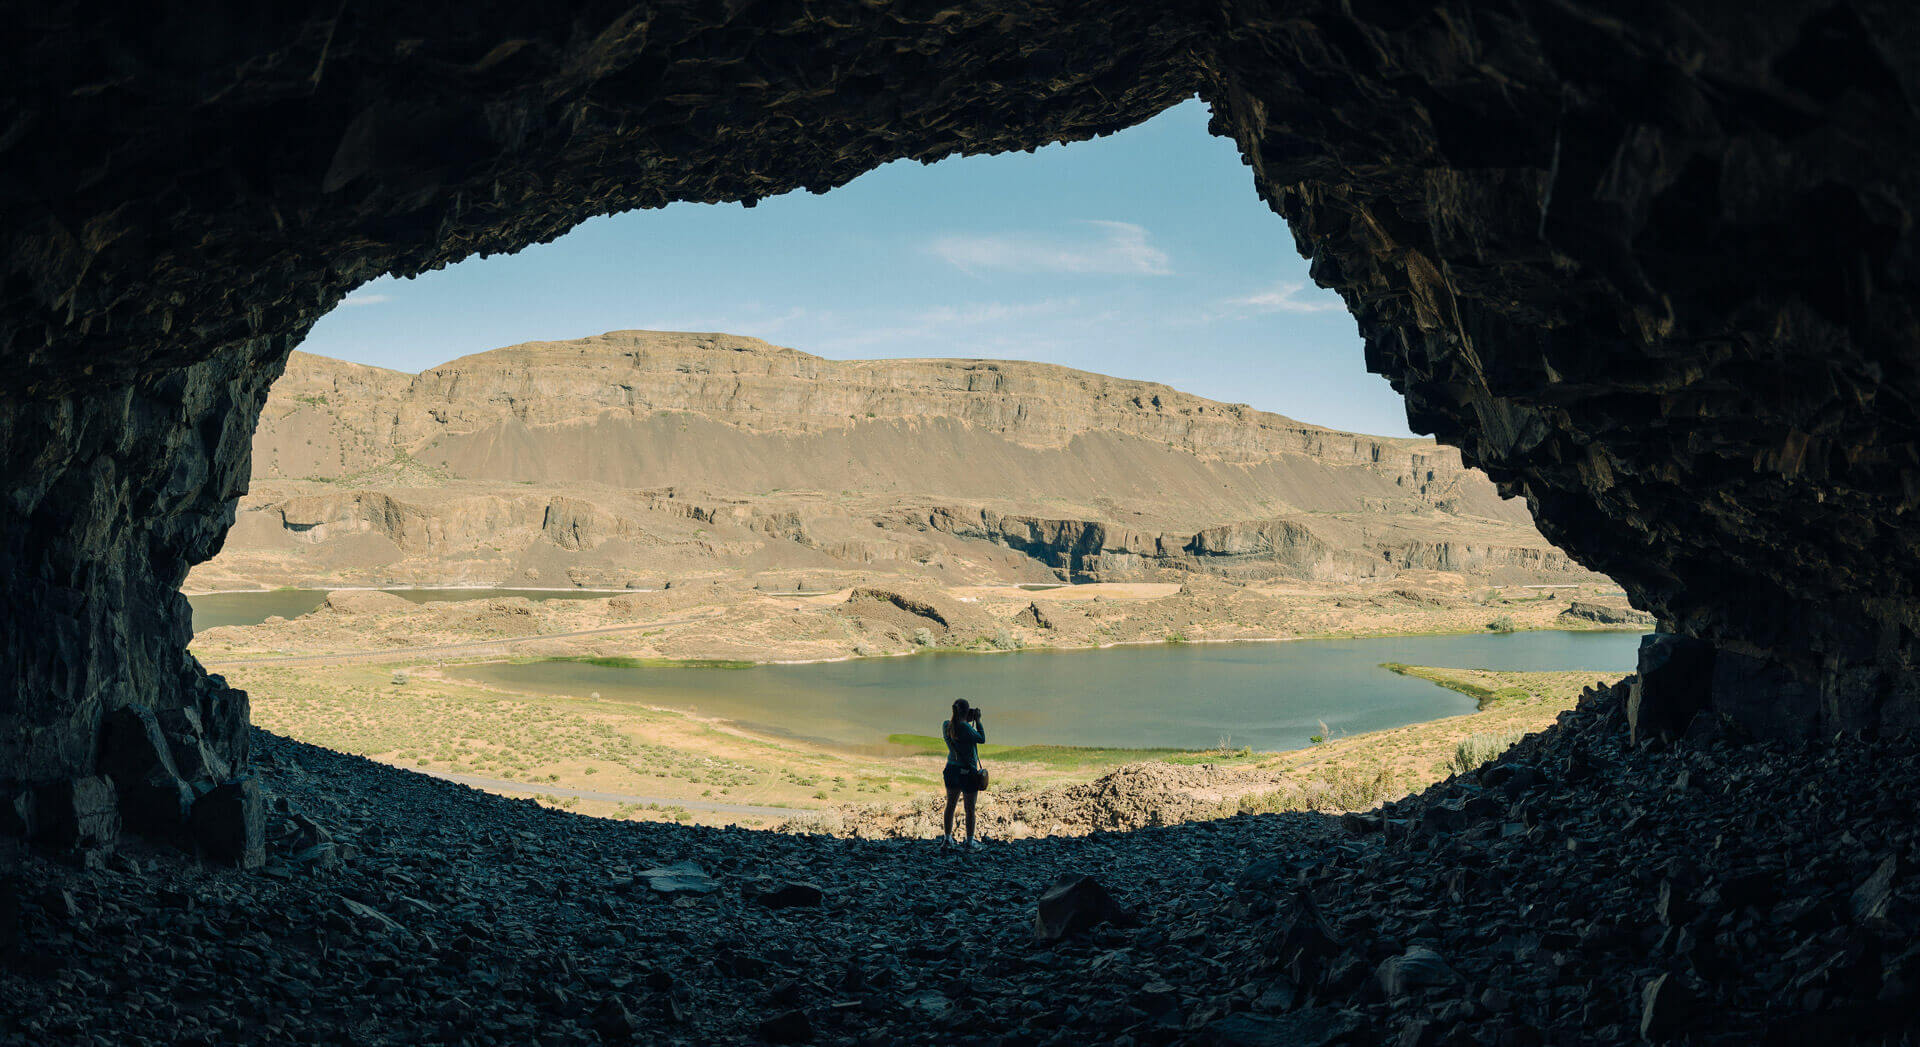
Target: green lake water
point(1271, 696)
point(217, 609)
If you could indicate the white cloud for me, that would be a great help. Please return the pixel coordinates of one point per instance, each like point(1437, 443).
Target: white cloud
point(988, 312)
point(365, 299)
point(942, 323)
point(1117, 247)
point(752, 320)
point(1285, 297)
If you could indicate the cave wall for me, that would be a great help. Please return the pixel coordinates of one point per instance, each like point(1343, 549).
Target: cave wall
point(1651, 266)
point(1648, 265)
point(113, 492)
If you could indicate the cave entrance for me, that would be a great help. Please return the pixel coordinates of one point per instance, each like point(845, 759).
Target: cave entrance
point(1013, 417)
point(1651, 293)
point(1649, 266)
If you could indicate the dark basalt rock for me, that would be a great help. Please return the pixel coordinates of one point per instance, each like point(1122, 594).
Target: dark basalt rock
point(615, 1023)
point(1417, 968)
point(680, 878)
point(228, 824)
point(1869, 903)
point(1675, 679)
point(1652, 272)
point(1652, 267)
point(790, 1027)
point(137, 757)
point(1076, 903)
point(81, 814)
point(1666, 1007)
point(456, 915)
point(792, 896)
point(1299, 1029)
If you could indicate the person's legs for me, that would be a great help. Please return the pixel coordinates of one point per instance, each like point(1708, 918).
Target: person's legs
point(971, 795)
point(953, 796)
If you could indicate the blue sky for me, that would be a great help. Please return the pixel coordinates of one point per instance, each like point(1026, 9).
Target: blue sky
point(1145, 254)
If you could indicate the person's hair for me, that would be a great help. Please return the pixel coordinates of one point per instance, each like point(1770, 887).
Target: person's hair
point(959, 716)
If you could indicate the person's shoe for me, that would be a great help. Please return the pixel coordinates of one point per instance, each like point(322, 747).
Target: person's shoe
point(972, 845)
point(946, 842)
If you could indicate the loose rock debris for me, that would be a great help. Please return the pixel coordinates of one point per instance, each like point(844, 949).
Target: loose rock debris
point(1574, 892)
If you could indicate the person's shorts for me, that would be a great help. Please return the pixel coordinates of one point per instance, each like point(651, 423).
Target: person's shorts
point(961, 778)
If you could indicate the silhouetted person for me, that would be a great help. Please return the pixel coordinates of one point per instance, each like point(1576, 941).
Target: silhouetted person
point(962, 775)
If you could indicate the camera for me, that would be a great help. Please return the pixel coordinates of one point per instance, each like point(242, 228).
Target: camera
point(973, 713)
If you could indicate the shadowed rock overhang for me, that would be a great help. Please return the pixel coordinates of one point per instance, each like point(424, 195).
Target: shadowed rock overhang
point(1651, 267)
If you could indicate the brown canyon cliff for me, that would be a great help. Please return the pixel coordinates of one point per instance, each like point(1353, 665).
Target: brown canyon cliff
point(636, 458)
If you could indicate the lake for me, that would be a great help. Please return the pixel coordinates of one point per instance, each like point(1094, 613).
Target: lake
point(1271, 696)
point(217, 609)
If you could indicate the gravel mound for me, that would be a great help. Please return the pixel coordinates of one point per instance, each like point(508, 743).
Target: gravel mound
point(1135, 796)
point(365, 601)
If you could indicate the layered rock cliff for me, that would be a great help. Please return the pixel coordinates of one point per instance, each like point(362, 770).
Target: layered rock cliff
point(635, 455)
point(503, 415)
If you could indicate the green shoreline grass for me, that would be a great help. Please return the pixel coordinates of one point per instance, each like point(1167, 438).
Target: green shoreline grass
point(1409, 634)
point(1509, 687)
point(1483, 695)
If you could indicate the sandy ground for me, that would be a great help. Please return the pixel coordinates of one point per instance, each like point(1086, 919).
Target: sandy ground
point(358, 675)
point(675, 766)
point(625, 760)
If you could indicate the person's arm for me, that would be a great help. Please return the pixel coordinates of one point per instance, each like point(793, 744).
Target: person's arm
point(978, 731)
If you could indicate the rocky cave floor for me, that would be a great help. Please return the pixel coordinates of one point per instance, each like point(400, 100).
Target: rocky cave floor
point(1574, 892)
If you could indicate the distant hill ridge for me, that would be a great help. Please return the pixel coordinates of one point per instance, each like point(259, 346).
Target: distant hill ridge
point(486, 416)
point(638, 432)
point(749, 382)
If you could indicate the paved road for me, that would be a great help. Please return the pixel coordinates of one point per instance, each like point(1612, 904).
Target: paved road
point(461, 650)
point(501, 785)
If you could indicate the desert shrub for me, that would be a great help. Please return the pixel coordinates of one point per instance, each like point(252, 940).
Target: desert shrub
point(1277, 801)
point(1004, 641)
point(1502, 624)
point(1475, 750)
point(923, 637)
point(1226, 750)
point(1344, 789)
point(1334, 789)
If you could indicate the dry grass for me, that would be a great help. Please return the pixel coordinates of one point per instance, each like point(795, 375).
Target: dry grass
point(1476, 750)
point(435, 724)
point(1362, 771)
point(668, 758)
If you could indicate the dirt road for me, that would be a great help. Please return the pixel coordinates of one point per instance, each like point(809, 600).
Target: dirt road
point(466, 649)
